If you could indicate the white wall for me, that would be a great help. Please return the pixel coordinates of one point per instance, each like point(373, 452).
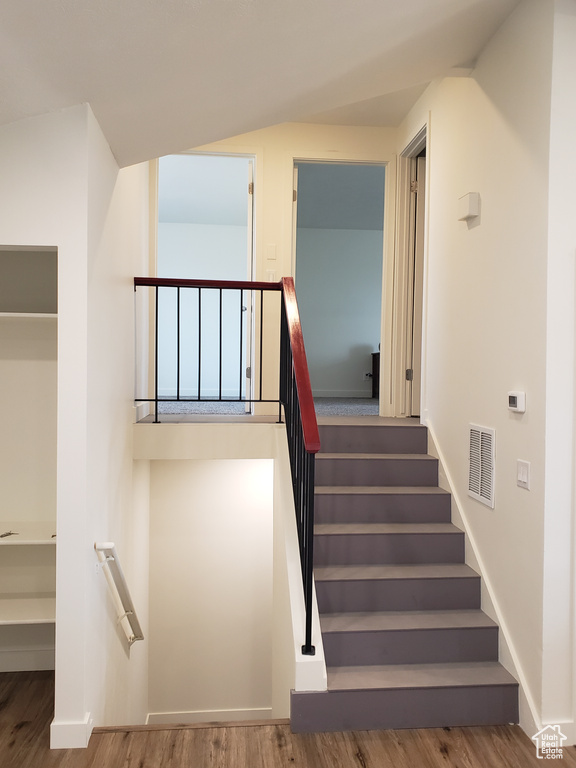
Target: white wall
point(559, 645)
point(117, 511)
point(210, 590)
point(43, 169)
point(485, 306)
point(57, 181)
point(339, 290)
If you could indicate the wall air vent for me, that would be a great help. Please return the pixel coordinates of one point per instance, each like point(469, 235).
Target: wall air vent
point(481, 472)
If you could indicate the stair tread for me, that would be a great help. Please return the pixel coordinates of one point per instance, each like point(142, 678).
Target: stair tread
point(368, 421)
point(385, 490)
point(370, 456)
point(479, 673)
point(371, 621)
point(339, 529)
point(375, 572)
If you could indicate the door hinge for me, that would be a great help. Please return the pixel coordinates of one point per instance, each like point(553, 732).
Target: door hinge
point(414, 186)
point(248, 372)
point(409, 374)
point(251, 188)
point(294, 195)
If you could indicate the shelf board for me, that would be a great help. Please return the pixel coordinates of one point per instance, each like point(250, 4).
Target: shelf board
point(27, 609)
point(27, 533)
point(35, 315)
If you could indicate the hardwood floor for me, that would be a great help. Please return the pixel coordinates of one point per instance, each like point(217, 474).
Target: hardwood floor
point(26, 712)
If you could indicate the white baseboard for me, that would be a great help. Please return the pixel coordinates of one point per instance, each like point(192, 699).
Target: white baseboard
point(141, 410)
point(71, 735)
point(26, 659)
point(208, 716)
point(366, 393)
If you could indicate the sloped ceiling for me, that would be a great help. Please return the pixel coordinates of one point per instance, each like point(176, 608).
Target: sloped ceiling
point(165, 75)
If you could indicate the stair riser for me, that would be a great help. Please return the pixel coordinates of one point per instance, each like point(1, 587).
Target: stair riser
point(398, 595)
point(376, 508)
point(374, 549)
point(384, 471)
point(339, 438)
point(411, 646)
point(312, 712)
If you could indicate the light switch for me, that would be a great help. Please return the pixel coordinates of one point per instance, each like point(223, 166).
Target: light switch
point(523, 474)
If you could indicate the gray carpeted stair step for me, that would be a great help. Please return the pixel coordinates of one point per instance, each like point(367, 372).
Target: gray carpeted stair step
point(381, 504)
point(376, 469)
point(408, 437)
point(408, 696)
point(374, 543)
point(349, 588)
point(416, 637)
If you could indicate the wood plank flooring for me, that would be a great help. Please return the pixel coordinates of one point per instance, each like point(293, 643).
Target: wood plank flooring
point(26, 712)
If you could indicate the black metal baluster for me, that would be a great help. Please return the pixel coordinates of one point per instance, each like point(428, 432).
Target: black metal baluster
point(156, 356)
point(261, 339)
point(241, 356)
point(199, 342)
point(178, 343)
point(220, 361)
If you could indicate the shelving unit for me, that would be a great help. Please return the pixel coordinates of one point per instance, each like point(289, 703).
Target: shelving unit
point(28, 388)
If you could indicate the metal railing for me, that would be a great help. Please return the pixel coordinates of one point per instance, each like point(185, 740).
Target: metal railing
point(208, 341)
point(214, 331)
point(127, 618)
point(303, 438)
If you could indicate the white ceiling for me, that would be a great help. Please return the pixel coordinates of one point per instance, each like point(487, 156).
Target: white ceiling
point(165, 76)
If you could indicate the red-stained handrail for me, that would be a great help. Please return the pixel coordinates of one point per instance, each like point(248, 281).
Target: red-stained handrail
point(307, 410)
point(173, 282)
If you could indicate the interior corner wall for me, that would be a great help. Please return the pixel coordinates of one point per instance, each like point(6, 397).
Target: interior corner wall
point(117, 509)
point(211, 577)
point(485, 305)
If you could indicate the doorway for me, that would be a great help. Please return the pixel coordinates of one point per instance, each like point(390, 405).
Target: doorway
point(205, 231)
point(338, 254)
point(405, 330)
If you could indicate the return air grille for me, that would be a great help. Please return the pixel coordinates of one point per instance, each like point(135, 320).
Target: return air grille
point(481, 474)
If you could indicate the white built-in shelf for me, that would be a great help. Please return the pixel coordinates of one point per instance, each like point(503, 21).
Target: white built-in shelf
point(28, 609)
point(28, 533)
point(34, 315)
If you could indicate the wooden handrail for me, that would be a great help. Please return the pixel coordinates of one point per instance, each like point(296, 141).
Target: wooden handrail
point(307, 410)
point(172, 282)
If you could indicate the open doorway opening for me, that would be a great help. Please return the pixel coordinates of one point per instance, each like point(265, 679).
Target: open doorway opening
point(205, 232)
point(339, 221)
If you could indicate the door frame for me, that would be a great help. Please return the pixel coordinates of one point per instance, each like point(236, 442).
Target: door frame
point(154, 173)
point(385, 390)
point(403, 301)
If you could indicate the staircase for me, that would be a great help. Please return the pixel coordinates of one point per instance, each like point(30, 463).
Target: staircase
point(405, 641)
